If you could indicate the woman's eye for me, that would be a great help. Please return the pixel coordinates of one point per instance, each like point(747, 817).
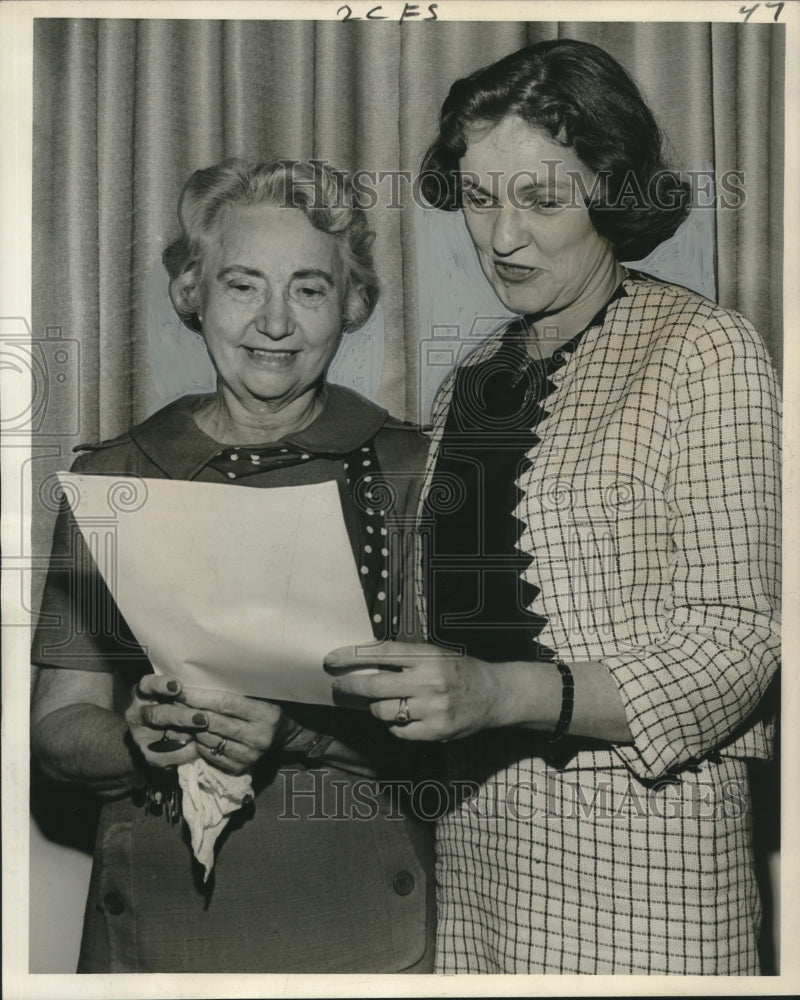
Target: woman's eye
point(542, 204)
point(477, 200)
point(241, 287)
point(309, 294)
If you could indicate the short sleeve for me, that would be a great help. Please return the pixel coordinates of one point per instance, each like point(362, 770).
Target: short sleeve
point(79, 625)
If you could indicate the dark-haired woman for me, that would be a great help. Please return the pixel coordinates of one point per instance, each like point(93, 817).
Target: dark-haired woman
point(602, 579)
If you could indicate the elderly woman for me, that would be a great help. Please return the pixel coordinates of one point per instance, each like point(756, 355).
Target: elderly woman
point(272, 265)
point(602, 521)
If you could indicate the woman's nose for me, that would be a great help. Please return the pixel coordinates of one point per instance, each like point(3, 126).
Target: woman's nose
point(274, 318)
point(511, 230)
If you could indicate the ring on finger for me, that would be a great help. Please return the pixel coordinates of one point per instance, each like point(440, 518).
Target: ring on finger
point(219, 749)
point(403, 714)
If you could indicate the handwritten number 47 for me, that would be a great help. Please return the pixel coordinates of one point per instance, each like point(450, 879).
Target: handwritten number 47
point(748, 11)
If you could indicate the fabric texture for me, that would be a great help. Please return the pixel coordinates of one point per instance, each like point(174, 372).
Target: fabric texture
point(590, 871)
point(651, 511)
point(310, 878)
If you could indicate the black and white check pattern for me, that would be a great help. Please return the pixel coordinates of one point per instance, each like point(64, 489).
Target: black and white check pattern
point(588, 871)
point(651, 507)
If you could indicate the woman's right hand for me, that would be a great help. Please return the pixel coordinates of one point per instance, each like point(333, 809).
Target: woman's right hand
point(156, 711)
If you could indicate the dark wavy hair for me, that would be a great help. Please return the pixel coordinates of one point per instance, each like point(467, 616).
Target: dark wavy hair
point(581, 98)
point(325, 196)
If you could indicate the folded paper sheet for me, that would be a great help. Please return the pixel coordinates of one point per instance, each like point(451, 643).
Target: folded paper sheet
point(227, 586)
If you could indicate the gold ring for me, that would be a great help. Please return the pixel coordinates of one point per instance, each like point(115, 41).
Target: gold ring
point(403, 716)
point(219, 748)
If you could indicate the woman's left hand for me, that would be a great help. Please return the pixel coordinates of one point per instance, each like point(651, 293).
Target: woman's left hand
point(239, 731)
point(448, 695)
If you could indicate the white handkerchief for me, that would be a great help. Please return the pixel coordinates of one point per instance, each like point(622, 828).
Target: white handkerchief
point(208, 798)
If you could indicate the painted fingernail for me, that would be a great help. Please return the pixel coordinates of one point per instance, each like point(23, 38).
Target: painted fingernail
point(199, 719)
point(172, 686)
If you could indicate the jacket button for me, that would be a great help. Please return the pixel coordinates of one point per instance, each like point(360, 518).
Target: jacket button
point(114, 903)
point(403, 883)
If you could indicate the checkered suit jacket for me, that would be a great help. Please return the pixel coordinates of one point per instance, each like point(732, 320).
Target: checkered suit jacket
point(651, 508)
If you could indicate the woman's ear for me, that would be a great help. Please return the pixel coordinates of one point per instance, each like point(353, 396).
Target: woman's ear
point(185, 294)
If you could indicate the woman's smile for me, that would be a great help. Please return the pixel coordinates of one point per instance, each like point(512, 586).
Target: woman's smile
point(271, 357)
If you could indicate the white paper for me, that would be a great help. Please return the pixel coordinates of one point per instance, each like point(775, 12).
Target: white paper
point(227, 587)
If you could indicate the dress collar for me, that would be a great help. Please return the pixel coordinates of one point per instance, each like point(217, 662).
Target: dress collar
point(173, 441)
